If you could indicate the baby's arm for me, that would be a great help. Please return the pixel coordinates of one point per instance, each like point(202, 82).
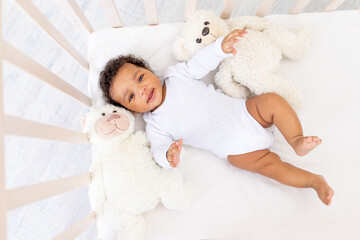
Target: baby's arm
point(162, 147)
point(208, 58)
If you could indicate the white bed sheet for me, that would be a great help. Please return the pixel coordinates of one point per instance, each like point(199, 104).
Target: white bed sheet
point(235, 204)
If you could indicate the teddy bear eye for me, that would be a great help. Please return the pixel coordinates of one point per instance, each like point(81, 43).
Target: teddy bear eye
point(114, 111)
point(103, 114)
point(198, 40)
point(206, 23)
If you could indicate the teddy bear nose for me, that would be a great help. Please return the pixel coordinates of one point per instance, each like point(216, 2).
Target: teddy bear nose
point(113, 117)
point(205, 31)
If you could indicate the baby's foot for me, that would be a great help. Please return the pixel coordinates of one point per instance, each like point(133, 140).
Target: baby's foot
point(323, 190)
point(303, 145)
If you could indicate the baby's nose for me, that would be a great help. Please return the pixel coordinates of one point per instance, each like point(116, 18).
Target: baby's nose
point(142, 91)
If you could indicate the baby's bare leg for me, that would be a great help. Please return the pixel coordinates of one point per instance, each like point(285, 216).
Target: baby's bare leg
point(270, 165)
point(271, 108)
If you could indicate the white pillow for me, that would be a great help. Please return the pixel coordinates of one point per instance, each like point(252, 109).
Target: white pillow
point(235, 204)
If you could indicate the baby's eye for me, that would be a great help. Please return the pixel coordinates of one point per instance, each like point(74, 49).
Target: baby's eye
point(131, 97)
point(141, 78)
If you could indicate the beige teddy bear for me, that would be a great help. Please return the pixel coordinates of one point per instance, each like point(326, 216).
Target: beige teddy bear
point(126, 180)
point(254, 68)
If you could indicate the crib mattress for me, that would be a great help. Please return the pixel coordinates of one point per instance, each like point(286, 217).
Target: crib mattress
point(234, 204)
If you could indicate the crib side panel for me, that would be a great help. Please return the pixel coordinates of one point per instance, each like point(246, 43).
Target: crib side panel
point(3, 224)
point(112, 13)
point(30, 9)
point(77, 17)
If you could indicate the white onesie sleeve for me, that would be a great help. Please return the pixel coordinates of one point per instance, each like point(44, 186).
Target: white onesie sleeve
point(201, 63)
point(160, 143)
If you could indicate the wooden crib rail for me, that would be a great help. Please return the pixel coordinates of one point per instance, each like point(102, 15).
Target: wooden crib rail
point(27, 128)
point(333, 5)
point(26, 63)
point(151, 12)
point(24, 195)
point(76, 229)
point(228, 7)
point(3, 202)
point(76, 16)
point(112, 13)
point(30, 9)
point(299, 6)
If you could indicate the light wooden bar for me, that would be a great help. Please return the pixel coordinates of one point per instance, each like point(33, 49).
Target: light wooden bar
point(151, 12)
point(264, 7)
point(333, 5)
point(27, 128)
point(112, 13)
point(24, 195)
point(3, 224)
point(76, 229)
point(76, 17)
point(228, 7)
point(30, 9)
point(26, 63)
point(299, 6)
point(190, 6)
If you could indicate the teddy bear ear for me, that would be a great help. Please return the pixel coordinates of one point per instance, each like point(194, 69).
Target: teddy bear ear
point(181, 53)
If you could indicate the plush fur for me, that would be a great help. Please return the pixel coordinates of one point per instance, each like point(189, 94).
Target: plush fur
point(254, 68)
point(126, 181)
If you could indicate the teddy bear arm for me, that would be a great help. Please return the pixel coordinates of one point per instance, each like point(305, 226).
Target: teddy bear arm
point(293, 43)
point(96, 191)
point(249, 22)
point(225, 81)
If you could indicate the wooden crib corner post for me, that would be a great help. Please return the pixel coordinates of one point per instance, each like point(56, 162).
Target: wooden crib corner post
point(3, 225)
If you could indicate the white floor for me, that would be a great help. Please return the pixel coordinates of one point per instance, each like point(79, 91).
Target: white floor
point(30, 161)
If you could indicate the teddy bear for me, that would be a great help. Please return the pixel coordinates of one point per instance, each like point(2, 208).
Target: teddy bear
point(125, 179)
point(253, 69)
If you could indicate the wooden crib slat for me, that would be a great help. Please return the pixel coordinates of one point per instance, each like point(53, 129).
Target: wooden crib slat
point(26, 63)
point(228, 7)
point(27, 128)
point(3, 224)
point(333, 5)
point(190, 6)
point(112, 13)
point(299, 6)
point(24, 195)
point(264, 7)
point(29, 8)
point(77, 17)
point(76, 229)
point(151, 12)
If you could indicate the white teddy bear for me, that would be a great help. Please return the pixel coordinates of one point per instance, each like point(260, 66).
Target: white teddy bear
point(253, 68)
point(126, 180)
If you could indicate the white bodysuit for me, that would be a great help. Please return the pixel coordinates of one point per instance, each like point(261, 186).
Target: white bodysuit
point(202, 116)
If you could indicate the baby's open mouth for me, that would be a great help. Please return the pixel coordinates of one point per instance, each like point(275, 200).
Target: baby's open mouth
point(151, 95)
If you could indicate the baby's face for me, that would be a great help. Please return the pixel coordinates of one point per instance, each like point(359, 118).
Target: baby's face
point(136, 88)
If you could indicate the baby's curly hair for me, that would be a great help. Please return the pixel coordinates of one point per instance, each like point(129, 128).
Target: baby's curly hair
point(108, 73)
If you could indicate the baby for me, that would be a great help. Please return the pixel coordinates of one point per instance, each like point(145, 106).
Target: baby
point(186, 110)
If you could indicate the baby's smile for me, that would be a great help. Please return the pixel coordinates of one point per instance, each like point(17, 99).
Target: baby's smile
point(136, 88)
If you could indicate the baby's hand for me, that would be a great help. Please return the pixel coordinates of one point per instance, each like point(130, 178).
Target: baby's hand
point(230, 40)
point(173, 154)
